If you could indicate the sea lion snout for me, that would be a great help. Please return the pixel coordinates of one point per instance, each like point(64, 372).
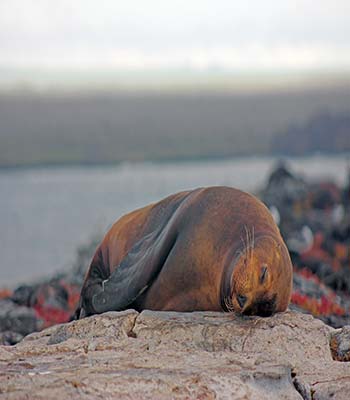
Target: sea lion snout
point(261, 279)
point(263, 307)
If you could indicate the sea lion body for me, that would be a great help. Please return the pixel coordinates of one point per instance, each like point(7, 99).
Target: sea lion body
point(214, 248)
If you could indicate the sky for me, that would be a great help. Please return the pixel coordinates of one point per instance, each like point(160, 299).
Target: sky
point(197, 35)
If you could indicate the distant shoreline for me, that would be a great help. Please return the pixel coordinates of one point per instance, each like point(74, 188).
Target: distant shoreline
point(36, 81)
point(99, 131)
point(178, 160)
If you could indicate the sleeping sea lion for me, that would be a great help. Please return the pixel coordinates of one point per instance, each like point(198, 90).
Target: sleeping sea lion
point(214, 248)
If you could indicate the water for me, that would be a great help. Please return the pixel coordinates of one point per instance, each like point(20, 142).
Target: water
point(45, 214)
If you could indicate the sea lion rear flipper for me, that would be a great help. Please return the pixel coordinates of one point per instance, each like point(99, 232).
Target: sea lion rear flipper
point(136, 272)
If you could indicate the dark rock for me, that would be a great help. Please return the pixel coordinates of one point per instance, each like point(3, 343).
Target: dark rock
point(283, 187)
point(9, 338)
point(51, 294)
point(17, 318)
point(340, 344)
point(23, 295)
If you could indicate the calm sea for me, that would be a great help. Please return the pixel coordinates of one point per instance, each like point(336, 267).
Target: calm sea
point(46, 213)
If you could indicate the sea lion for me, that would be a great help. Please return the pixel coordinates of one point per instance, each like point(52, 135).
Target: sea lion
point(214, 248)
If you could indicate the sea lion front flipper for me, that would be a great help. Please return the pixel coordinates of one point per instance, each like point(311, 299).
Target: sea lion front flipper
point(136, 272)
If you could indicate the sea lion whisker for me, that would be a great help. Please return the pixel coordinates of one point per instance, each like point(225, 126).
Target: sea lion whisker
point(247, 238)
point(249, 242)
point(228, 304)
point(253, 240)
point(244, 245)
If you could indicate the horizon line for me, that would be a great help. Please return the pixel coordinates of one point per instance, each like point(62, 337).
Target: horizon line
point(166, 80)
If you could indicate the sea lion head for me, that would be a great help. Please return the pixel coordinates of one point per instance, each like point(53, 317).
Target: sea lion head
point(261, 280)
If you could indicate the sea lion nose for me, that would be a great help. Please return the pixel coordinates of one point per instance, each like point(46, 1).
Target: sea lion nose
point(241, 300)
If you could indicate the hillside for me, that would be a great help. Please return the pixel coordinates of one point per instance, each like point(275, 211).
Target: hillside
point(324, 132)
point(94, 128)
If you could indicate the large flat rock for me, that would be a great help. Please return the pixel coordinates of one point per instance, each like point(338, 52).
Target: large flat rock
point(168, 355)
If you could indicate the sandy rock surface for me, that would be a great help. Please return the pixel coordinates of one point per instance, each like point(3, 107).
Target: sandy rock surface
point(164, 355)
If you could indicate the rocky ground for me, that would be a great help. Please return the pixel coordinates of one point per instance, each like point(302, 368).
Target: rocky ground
point(167, 355)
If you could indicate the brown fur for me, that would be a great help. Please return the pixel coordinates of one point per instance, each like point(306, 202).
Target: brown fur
point(223, 243)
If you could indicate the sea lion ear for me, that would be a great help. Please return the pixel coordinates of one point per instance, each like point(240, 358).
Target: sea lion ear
point(263, 273)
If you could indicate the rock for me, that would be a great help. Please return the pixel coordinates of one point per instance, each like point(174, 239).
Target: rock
point(19, 319)
point(168, 355)
point(22, 295)
point(9, 338)
point(340, 344)
point(284, 186)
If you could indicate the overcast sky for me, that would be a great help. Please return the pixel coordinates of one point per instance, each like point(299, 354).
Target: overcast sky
point(199, 34)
